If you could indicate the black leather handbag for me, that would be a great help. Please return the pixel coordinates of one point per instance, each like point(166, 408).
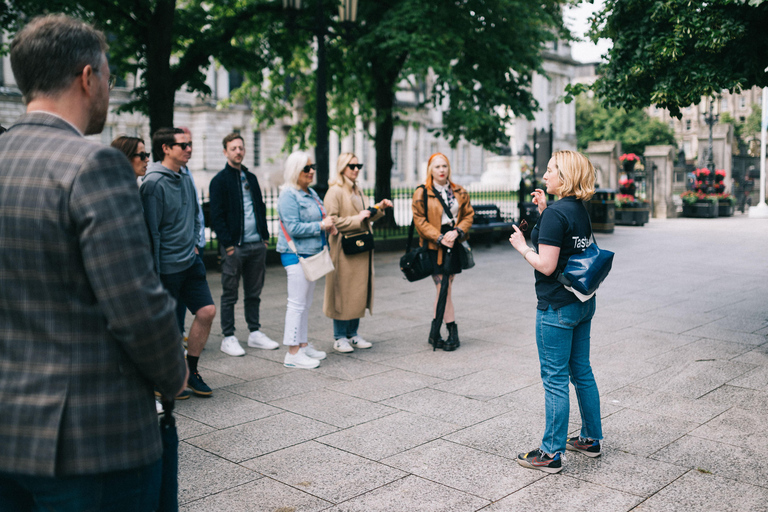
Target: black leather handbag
point(416, 264)
point(355, 243)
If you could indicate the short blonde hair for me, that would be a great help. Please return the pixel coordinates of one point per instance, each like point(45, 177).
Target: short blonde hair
point(576, 174)
point(294, 165)
point(341, 164)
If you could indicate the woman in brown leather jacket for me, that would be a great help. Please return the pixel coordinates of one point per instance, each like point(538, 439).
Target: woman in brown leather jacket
point(440, 230)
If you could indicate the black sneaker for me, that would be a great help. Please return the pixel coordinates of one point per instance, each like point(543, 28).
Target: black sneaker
point(588, 447)
point(541, 461)
point(196, 384)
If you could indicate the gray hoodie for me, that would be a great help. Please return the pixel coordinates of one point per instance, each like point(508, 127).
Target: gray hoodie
point(170, 209)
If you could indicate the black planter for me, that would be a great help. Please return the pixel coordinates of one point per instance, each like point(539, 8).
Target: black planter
point(702, 209)
point(602, 210)
point(724, 209)
point(632, 215)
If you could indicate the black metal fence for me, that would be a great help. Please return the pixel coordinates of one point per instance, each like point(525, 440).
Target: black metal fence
point(506, 200)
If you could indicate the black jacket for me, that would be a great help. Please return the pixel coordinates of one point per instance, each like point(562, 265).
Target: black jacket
point(227, 206)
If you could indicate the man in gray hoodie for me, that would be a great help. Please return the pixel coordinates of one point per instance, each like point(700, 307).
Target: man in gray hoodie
point(170, 209)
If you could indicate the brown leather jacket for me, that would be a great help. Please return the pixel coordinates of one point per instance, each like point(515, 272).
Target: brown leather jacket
point(429, 226)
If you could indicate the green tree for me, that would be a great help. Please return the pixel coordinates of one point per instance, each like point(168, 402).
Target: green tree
point(169, 45)
point(670, 53)
point(635, 128)
point(475, 57)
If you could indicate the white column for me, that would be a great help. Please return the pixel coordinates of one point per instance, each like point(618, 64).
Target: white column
point(761, 210)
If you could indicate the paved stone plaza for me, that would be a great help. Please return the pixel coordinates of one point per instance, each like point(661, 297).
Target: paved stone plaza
point(679, 351)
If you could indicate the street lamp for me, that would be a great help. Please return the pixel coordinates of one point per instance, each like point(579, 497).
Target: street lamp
point(347, 12)
point(710, 121)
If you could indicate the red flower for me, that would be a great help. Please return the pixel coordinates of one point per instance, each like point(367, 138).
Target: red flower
point(629, 157)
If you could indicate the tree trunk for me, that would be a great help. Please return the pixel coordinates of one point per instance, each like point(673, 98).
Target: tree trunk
point(385, 125)
point(161, 88)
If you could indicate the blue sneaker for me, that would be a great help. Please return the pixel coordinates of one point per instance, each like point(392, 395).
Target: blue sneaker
point(541, 461)
point(198, 386)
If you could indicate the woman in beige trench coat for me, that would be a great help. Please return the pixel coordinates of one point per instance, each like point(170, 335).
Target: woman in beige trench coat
point(349, 288)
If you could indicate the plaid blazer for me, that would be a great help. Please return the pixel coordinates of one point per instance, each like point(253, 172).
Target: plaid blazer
point(86, 329)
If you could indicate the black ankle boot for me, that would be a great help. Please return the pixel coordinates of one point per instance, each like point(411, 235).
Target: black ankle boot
point(434, 336)
point(452, 343)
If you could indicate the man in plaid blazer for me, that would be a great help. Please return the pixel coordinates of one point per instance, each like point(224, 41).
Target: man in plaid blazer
point(86, 329)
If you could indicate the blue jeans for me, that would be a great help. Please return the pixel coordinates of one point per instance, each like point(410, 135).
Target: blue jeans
point(119, 491)
point(562, 338)
point(345, 328)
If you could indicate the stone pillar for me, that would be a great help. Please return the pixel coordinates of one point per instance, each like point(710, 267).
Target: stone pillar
point(604, 155)
point(661, 161)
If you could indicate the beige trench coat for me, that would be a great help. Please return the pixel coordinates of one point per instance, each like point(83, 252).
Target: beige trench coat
point(349, 288)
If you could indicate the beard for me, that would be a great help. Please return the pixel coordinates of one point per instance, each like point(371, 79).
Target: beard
point(97, 116)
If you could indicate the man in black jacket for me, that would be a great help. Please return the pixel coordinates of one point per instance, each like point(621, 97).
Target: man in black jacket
point(239, 217)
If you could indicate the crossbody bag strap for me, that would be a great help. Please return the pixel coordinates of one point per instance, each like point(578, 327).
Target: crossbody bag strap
point(445, 206)
point(291, 245)
point(410, 228)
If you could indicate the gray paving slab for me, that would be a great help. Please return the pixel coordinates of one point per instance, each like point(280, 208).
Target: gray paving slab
point(704, 491)
point(248, 440)
point(446, 406)
point(334, 408)
point(264, 495)
point(679, 351)
point(389, 435)
point(225, 410)
point(420, 494)
point(323, 471)
point(466, 469)
point(566, 493)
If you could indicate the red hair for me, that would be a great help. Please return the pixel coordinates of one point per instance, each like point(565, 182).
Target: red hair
point(428, 181)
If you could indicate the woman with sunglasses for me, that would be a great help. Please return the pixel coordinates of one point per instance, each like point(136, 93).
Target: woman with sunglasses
point(349, 288)
point(563, 322)
point(304, 220)
point(134, 149)
point(441, 228)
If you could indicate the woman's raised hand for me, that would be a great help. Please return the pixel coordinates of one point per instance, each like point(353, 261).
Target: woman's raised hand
point(384, 203)
point(539, 199)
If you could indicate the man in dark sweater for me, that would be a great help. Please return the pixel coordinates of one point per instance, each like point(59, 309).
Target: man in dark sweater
point(239, 218)
point(170, 208)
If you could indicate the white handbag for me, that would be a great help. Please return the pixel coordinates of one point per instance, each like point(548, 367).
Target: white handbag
point(317, 265)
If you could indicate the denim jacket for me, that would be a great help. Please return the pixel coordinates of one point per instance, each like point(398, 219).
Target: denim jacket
point(300, 214)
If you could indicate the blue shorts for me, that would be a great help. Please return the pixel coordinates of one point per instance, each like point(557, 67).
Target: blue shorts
point(189, 286)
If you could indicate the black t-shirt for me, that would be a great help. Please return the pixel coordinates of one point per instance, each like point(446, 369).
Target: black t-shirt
point(564, 224)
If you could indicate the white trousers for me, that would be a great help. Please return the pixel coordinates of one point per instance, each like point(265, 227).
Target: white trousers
point(300, 295)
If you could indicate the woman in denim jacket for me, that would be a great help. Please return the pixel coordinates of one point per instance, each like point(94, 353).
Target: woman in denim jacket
point(302, 216)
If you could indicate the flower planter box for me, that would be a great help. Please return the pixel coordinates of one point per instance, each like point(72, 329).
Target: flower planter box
point(703, 209)
point(632, 216)
point(724, 209)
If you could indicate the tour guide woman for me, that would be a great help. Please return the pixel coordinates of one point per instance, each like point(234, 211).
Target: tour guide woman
point(562, 321)
point(440, 232)
point(349, 288)
point(302, 216)
point(133, 148)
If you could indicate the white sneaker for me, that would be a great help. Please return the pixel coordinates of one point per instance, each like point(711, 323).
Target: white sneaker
point(258, 339)
point(300, 360)
point(159, 406)
point(358, 342)
point(342, 345)
point(231, 347)
point(312, 352)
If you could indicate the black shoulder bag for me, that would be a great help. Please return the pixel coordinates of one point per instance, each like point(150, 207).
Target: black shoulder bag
point(466, 258)
point(416, 264)
point(355, 243)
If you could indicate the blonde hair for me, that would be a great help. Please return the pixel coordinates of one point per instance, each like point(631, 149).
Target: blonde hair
point(576, 174)
point(294, 165)
point(341, 164)
point(428, 181)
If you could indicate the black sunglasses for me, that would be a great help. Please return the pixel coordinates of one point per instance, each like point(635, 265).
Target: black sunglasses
point(308, 168)
point(523, 226)
point(143, 155)
point(355, 166)
point(182, 145)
